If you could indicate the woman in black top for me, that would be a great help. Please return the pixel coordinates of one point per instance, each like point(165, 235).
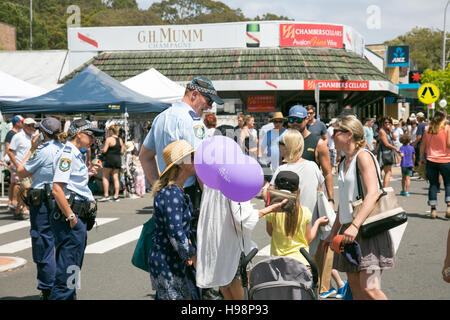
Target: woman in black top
point(113, 149)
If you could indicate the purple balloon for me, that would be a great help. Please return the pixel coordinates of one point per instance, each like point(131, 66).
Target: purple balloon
point(241, 181)
point(211, 153)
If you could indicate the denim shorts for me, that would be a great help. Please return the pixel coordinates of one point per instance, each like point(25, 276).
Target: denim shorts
point(407, 171)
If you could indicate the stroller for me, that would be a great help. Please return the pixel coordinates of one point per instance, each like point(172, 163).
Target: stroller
point(280, 278)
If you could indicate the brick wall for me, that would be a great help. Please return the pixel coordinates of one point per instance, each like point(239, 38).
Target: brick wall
point(7, 37)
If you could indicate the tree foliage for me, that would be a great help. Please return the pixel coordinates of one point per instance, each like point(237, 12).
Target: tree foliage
point(440, 78)
point(425, 47)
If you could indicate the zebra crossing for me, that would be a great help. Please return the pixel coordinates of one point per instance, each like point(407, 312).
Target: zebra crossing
point(99, 247)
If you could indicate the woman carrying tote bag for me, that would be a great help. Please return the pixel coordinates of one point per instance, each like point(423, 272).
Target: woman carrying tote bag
point(377, 251)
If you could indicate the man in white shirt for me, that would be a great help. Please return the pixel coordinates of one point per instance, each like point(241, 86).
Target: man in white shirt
point(18, 149)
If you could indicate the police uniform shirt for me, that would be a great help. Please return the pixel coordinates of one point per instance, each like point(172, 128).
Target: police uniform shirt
point(71, 170)
point(40, 164)
point(178, 122)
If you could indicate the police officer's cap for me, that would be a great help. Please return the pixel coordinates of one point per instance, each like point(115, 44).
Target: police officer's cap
point(205, 87)
point(84, 125)
point(50, 125)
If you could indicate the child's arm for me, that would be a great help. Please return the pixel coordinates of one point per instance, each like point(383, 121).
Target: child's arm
point(311, 232)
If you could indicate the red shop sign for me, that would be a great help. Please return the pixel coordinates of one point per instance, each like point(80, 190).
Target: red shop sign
point(334, 85)
point(311, 35)
point(261, 103)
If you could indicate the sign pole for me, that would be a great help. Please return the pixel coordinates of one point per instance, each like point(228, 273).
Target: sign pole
point(317, 98)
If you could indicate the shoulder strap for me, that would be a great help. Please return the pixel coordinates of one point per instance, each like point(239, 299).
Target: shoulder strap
point(358, 177)
point(269, 142)
point(234, 223)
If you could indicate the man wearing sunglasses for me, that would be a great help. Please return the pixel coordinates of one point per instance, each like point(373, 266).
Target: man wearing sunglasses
point(315, 148)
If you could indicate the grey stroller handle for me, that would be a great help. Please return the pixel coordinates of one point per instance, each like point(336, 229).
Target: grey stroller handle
point(245, 259)
point(312, 264)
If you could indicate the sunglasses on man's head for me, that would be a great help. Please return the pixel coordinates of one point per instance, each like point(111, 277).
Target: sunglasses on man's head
point(295, 119)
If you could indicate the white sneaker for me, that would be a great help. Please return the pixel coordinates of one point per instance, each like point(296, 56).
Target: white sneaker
point(104, 199)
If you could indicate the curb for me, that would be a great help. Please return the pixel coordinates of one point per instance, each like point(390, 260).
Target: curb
point(11, 263)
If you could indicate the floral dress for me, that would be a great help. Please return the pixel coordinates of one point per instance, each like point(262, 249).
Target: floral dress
point(170, 244)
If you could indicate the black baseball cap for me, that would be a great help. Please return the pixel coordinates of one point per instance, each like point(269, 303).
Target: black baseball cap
point(287, 180)
point(206, 88)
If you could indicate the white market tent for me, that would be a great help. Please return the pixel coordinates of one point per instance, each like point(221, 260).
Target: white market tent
point(154, 84)
point(14, 89)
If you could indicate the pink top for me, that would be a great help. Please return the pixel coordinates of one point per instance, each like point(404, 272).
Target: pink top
point(437, 149)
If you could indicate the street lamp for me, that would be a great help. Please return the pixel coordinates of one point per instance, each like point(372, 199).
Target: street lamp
point(445, 36)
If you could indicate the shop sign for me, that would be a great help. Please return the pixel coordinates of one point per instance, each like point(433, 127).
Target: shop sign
point(398, 56)
point(311, 35)
point(261, 103)
point(334, 85)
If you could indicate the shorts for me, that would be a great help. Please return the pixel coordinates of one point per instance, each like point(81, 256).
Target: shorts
point(113, 162)
point(237, 276)
point(407, 171)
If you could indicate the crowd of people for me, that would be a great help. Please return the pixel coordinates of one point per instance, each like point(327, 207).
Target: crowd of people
point(199, 234)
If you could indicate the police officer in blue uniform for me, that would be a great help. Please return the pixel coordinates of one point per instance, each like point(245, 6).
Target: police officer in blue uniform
point(38, 164)
point(76, 213)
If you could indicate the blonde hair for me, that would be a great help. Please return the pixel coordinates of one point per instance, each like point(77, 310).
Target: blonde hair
point(114, 128)
point(291, 220)
point(294, 143)
point(167, 180)
point(352, 124)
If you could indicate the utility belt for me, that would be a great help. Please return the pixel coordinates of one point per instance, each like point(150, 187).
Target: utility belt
point(37, 197)
point(86, 211)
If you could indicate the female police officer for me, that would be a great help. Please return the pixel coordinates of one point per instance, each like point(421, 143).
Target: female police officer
point(73, 197)
point(38, 163)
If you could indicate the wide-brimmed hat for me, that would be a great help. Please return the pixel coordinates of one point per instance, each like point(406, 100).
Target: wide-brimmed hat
point(277, 115)
point(84, 125)
point(174, 153)
point(205, 87)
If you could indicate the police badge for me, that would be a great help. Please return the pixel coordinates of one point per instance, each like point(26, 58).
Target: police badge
point(199, 131)
point(64, 164)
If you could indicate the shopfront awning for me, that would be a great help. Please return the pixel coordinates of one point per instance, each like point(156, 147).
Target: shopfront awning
point(337, 72)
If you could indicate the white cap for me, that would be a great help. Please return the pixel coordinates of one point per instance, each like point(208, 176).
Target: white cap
point(29, 121)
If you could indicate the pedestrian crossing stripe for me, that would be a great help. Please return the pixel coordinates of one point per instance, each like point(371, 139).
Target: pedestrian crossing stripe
point(24, 244)
point(114, 242)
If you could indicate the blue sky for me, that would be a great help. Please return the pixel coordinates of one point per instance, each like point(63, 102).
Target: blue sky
point(396, 17)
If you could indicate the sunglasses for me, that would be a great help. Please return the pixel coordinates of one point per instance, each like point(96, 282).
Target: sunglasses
point(339, 130)
point(295, 120)
point(387, 122)
point(311, 112)
point(281, 143)
point(277, 121)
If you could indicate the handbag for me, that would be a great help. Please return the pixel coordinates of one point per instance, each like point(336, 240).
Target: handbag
point(387, 213)
point(143, 246)
point(325, 210)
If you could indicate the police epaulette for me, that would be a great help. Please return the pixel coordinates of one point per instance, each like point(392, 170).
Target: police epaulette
point(67, 149)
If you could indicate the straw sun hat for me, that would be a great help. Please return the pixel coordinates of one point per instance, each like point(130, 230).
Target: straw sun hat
point(174, 153)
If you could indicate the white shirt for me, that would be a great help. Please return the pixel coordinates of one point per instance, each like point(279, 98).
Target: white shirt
point(71, 170)
point(219, 244)
point(20, 144)
point(177, 122)
point(330, 131)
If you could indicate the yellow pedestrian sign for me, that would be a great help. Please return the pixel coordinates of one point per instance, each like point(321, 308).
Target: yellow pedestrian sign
point(428, 93)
